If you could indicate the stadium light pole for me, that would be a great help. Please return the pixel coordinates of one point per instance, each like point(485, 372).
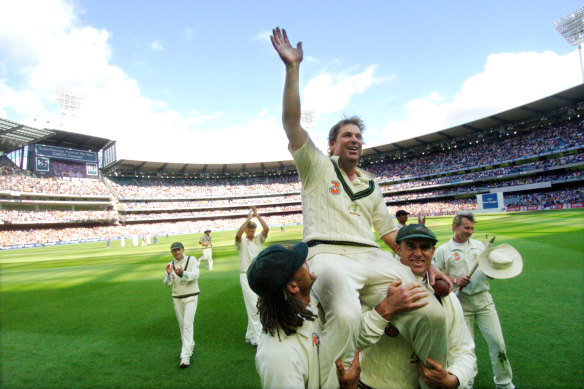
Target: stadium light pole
point(572, 29)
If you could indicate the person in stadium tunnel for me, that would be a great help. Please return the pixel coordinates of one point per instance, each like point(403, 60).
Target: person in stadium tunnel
point(340, 205)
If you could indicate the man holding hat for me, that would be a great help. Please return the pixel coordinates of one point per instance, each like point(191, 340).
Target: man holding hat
point(392, 362)
point(402, 218)
point(457, 258)
point(205, 241)
point(182, 273)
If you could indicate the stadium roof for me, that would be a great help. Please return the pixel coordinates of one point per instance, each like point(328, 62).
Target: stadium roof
point(550, 109)
point(13, 135)
point(76, 141)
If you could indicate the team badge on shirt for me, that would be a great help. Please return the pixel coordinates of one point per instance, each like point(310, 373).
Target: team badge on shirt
point(335, 189)
point(354, 209)
point(315, 341)
point(456, 257)
point(391, 331)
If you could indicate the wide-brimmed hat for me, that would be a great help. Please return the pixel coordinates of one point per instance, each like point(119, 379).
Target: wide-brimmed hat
point(502, 261)
point(274, 267)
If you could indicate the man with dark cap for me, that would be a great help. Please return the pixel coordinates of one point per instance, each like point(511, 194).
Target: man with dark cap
point(391, 361)
point(287, 355)
point(402, 218)
point(182, 273)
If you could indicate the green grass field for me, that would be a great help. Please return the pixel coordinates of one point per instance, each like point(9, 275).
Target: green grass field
point(87, 316)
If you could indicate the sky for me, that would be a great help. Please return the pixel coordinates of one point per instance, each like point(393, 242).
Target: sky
point(199, 81)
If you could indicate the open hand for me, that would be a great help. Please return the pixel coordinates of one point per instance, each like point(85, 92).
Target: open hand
point(289, 54)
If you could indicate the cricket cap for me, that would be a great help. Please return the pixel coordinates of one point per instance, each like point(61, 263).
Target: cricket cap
point(176, 246)
point(274, 267)
point(401, 212)
point(419, 231)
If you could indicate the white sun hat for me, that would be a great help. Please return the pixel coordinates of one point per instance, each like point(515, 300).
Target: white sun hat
point(502, 261)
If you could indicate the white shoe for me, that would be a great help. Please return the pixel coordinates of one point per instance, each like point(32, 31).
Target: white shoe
point(185, 362)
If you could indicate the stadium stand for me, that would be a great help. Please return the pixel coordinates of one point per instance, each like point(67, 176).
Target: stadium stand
point(536, 159)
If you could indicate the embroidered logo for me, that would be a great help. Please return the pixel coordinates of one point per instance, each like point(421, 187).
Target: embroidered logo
point(335, 188)
point(354, 209)
point(315, 341)
point(391, 331)
point(456, 257)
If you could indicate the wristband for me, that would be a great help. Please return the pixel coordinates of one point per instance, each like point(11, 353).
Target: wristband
point(455, 280)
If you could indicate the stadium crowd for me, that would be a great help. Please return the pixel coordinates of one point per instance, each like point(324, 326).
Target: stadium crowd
point(424, 184)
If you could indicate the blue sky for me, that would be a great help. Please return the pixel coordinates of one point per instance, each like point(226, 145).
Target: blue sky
point(198, 81)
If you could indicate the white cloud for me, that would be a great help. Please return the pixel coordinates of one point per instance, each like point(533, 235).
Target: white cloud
point(263, 35)
point(157, 46)
point(189, 32)
point(332, 92)
point(507, 81)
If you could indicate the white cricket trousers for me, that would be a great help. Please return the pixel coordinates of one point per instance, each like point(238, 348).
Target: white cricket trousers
point(254, 326)
point(482, 308)
point(207, 256)
point(185, 310)
point(344, 279)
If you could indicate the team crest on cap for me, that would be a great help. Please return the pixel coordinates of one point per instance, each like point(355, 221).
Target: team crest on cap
point(315, 341)
point(391, 331)
point(335, 189)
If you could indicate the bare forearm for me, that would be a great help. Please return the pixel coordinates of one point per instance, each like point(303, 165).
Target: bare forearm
point(265, 227)
point(291, 111)
point(239, 232)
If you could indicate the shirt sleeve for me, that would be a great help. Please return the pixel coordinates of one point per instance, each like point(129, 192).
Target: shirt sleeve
point(382, 220)
point(439, 258)
point(286, 369)
point(372, 328)
point(193, 273)
point(167, 277)
point(309, 162)
point(461, 356)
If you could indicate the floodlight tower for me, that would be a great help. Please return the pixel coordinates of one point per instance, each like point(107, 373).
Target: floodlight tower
point(572, 29)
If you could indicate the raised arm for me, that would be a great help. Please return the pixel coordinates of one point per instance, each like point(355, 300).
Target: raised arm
point(239, 232)
point(291, 101)
point(265, 228)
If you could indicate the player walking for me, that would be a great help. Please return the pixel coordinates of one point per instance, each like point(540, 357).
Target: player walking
point(205, 241)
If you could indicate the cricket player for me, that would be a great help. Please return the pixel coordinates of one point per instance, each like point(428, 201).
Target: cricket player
point(340, 204)
point(391, 362)
point(248, 245)
point(287, 354)
point(205, 241)
point(456, 258)
point(402, 218)
point(182, 274)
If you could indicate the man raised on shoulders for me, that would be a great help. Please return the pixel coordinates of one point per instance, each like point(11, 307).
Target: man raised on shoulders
point(340, 205)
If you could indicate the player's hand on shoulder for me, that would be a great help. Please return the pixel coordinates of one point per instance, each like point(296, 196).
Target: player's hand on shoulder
point(401, 298)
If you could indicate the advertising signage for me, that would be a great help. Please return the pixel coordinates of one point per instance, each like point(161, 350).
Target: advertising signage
point(63, 153)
